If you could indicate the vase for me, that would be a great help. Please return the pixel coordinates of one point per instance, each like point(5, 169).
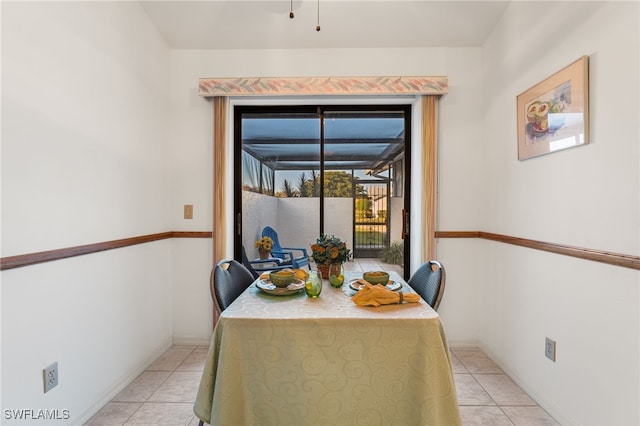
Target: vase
point(264, 254)
point(326, 269)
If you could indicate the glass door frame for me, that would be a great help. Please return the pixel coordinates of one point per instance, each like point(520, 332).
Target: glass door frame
point(320, 108)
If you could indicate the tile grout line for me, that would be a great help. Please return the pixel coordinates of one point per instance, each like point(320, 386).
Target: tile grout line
point(491, 397)
point(473, 375)
point(159, 386)
point(507, 415)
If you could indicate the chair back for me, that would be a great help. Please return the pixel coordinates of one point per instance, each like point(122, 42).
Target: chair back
point(229, 279)
point(287, 254)
point(428, 281)
point(247, 263)
point(271, 233)
point(258, 266)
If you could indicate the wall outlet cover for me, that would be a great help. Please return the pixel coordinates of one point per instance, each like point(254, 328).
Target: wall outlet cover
point(550, 349)
point(50, 377)
point(188, 211)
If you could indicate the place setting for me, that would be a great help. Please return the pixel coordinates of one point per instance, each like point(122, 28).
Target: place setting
point(375, 278)
point(375, 288)
point(377, 295)
point(284, 282)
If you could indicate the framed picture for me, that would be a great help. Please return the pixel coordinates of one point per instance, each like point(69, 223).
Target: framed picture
point(554, 114)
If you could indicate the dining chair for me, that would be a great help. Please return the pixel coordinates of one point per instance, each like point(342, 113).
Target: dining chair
point(428, 282)
point(228, 280)
point(286, 253)
point(257, 266)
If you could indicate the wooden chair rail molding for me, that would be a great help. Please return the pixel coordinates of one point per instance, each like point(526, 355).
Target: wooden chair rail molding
point(624, 260)
point(18, 261)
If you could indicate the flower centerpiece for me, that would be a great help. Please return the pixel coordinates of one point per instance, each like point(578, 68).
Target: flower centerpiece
point(329, 250)
point(264, 246)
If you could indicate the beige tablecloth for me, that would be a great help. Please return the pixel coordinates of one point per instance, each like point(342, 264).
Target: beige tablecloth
point(291, 360)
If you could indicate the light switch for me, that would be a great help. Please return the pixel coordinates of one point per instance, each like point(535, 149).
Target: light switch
point(188, 211)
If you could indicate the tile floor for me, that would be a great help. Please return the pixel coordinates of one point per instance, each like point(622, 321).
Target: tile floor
point(164, 393)
point(367, 264)
point(487, 396)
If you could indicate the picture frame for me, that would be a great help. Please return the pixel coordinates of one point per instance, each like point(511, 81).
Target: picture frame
point(553, 115)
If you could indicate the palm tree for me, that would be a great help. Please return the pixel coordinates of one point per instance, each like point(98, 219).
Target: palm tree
point(288, 189)
point(315, 183)
point(303, 185)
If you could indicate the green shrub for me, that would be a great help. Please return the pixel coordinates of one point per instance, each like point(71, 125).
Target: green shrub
point(394, 254)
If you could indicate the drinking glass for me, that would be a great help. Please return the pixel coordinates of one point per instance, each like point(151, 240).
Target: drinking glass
point(313, 286)
point(336, 275)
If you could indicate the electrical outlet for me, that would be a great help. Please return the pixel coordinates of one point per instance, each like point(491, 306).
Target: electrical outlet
point(50, 377)
point(550, 349)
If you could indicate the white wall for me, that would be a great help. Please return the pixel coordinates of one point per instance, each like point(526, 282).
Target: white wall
point(586, 196)
point(295, 219)
point(262, 210)
point(84, 131)
point(192, 305)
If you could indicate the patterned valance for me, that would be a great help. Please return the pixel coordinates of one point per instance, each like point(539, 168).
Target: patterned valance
point(281, 86)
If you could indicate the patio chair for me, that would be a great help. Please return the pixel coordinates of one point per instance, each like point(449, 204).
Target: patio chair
point(428, 282)
point(228, 280)
point(257, 266)
point(286, 253)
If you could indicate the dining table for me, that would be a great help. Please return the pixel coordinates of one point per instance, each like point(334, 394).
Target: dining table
point(294, 360)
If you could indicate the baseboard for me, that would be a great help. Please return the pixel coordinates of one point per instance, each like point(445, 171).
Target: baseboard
point(191, 340)
point(540, 400)
point(122, 383)
point(464, 344)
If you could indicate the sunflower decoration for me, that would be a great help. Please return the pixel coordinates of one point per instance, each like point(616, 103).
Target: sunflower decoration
point(264, 245)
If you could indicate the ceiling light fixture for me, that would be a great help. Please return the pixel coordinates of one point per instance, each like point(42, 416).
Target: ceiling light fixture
point(292, 15)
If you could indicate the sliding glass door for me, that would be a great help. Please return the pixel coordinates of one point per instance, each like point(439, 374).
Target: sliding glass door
point(308, 170)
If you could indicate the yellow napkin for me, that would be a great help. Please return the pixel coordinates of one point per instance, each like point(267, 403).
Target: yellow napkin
point(376, 295)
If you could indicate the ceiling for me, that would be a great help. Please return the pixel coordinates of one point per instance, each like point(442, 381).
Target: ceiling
point(265, 24)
